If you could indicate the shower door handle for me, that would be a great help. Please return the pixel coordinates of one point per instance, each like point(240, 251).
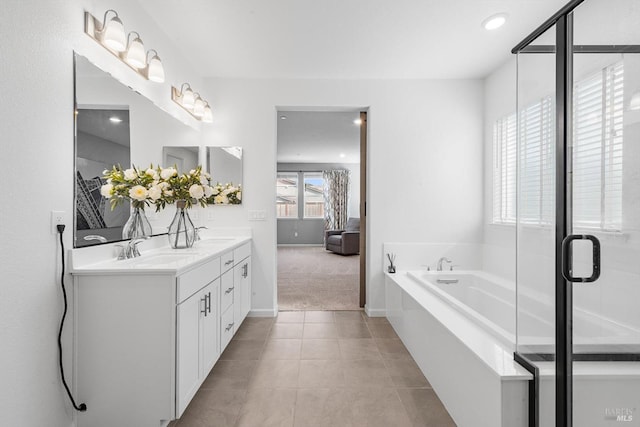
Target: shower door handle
point(567, 261)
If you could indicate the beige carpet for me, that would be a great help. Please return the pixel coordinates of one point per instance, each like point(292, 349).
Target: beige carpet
point(310, 278)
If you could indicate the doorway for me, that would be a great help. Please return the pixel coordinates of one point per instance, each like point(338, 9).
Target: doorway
point(320, 190)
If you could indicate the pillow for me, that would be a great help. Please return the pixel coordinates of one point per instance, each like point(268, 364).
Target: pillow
point(353, 224)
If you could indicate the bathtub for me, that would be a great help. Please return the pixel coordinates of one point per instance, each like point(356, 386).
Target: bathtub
point(460, 327)
point(491, 302)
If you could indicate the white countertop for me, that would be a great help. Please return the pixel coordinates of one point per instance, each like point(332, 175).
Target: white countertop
point(157, 257)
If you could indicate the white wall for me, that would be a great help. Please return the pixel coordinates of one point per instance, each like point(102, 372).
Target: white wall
point(425, 161)
point(37, 40)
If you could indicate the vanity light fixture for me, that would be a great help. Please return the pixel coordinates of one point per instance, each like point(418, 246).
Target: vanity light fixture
point(208, 114)
point(135, 55)
point(192, 102)
point(110, 34)
point(634, 104)
point(155, 70)
point(198, 106)
point(494, 21)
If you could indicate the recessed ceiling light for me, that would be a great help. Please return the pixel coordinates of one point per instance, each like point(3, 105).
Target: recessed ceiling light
point(494, 21)
point(357, 122)
point(342, 155)
point(283, 117)
point(115, 119)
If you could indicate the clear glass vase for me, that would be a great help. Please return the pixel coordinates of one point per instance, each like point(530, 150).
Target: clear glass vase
point(182, 232)
point(137, 225)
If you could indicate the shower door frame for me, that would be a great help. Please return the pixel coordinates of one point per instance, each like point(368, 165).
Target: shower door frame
point(564, 51)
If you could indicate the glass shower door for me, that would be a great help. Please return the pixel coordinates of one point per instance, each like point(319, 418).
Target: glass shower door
point(604, 182)
point(534, 124)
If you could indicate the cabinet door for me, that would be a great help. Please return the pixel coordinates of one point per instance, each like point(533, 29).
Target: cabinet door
point(209, 328)
point(237, 303)
point(188, 350)
point(246, 288)
point(242, 302)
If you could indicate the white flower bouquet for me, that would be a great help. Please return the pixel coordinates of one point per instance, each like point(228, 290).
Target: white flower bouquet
point(225, 194)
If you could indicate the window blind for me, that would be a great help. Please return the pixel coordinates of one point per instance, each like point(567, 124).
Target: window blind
point(597, 149)
point(597, 157)
point(504, 170)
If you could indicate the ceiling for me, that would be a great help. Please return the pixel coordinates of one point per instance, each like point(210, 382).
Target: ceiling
point(346, 39)
point(98, 123)
point(318, 137)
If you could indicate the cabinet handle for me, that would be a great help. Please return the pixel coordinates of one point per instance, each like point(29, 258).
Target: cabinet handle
point(229, 326)
point(205, 306)
point(228, 290)
point(209, 297)
point(229, 262)
point(245, 270)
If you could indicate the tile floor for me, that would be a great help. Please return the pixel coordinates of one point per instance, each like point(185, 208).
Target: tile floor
point(315, 368)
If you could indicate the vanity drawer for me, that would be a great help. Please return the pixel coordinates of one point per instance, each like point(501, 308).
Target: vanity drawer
point(190, 282)
point(242, 252)
point(226, 261)
point(227, 328)
point(226, 291)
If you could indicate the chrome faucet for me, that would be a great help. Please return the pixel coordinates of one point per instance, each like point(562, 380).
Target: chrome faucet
point(198, 232)
point(131, 249)
point(441, 260)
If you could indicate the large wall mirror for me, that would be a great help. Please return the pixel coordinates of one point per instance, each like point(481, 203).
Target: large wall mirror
point(225, 165)
point(114, 125)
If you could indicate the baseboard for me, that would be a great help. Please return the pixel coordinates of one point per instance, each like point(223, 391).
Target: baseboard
point(263, 312)
point(375, 312)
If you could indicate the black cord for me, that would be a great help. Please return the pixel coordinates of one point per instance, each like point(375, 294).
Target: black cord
point(82, 406)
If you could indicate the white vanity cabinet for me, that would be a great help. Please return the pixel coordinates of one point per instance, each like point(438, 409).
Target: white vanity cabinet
point(198, 343)
point(146, 338)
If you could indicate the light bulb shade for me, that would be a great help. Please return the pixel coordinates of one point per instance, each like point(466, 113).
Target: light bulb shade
point(136, 56)
point(198, 107)
point(113, 35)
point(208, 115)
point(187, 98)
point(155, 73)
point(634, 104)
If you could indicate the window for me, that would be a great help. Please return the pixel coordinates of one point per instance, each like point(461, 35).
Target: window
point(504, 170)
point(287, 195)
point(597, 150)
point(313, 195)
point(597, 157)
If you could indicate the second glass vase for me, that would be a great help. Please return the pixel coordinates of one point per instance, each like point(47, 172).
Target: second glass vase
point(182, 232)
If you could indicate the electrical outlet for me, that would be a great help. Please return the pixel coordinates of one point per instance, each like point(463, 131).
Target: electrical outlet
point(57, 218)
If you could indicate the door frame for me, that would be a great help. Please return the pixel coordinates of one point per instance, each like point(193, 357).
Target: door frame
point(363, 111)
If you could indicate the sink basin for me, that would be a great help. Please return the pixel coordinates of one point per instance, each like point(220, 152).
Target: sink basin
point(213, 241)
point(157, 260)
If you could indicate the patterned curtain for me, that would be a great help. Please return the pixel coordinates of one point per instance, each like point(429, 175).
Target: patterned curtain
point(336, 198)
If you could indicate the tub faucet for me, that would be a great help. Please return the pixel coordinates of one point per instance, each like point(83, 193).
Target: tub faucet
point(441, 260)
